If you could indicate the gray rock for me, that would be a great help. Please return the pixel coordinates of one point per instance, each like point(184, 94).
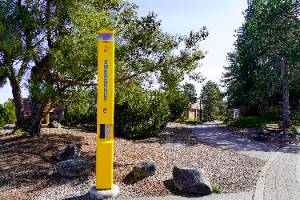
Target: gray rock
point(70, 152)
point(51, 173)
point(73, 168)
point(298, 129)
point(54, 124)
point(191, 180)
point(144, 169)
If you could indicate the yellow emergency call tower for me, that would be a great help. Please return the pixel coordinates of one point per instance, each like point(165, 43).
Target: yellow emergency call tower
point(105, 117)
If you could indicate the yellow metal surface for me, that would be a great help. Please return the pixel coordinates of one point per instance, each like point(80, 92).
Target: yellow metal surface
point(105, 110)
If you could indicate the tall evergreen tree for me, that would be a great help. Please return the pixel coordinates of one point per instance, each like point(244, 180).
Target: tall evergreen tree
point(252, 78)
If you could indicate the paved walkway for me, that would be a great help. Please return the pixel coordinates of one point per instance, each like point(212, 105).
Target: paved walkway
point(214, 134)
point(280, 178)
point(231, 196)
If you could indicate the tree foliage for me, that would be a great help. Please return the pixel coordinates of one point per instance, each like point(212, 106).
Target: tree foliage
point(140, 113)
point(190, 91)
point(80, 107)
point(252, 78)
point(212, 100)
point(54, 42)
point(178, 102)
point(7, 113)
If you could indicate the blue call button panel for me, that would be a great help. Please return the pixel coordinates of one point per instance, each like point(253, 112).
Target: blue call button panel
point(106, 36)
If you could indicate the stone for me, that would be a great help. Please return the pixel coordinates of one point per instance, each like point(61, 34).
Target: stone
point(191, 180)
point(51, 173)
point(70, 152)
point(73, 168)
point(54, 124)
point(297, 129)
point(104, 194)
point(144, 169)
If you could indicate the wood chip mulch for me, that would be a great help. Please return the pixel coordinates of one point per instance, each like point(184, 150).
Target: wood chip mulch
point(25, 162)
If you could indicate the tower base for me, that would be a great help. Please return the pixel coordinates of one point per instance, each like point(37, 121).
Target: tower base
point(104, 194)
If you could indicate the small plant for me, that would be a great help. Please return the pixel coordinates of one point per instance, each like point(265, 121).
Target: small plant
point(216, 189)
point(18, 131)
point(189, 121)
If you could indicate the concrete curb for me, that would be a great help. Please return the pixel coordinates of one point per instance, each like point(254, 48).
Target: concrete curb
point(298, 169)
point(260, 184)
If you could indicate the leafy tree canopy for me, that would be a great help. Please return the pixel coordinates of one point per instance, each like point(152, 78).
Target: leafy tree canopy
point(252, 78)
point(54, 42)
point(190, 91)
point(212, 100)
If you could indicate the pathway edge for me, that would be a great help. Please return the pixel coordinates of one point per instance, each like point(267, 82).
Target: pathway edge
point(260, 184)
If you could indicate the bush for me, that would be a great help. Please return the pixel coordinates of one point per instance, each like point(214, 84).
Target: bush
point(81, 108)
point(295, 119)
point(220, 118)
point(7, 113)
point(256, 121)
point(2, 122)
point(178, 103)
point(140, 113)
point(189, 121)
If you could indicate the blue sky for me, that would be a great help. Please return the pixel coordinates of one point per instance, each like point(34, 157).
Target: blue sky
point(221, 17)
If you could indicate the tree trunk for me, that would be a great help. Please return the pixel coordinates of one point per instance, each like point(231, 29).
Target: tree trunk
point(38, 117)
point(18, 102)
point(286, 121)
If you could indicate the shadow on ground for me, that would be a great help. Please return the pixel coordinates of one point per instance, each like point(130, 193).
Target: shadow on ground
point(218, 136)
point(25, 161)
point(170, 186)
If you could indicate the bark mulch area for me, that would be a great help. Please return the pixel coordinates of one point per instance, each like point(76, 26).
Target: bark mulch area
point(25, 162)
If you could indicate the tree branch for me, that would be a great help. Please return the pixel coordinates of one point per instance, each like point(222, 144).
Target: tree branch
point(48, 15)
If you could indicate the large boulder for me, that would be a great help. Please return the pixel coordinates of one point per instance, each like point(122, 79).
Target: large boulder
point(191, 180)
point(70, 152)
point(54, 124)
point(144, 169)
point(73, 168)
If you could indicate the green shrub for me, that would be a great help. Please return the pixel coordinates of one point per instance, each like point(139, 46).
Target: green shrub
point(295, 118)
point(7, 113)
point(220, 118)
point(189, 121)
point(256, 122)
point(2, 122)
point(81, 108)
point(140, 113)
point(178, 103)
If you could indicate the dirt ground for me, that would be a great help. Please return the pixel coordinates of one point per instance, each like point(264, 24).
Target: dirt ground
point(25, 163)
